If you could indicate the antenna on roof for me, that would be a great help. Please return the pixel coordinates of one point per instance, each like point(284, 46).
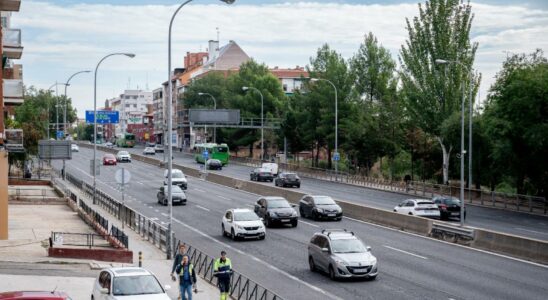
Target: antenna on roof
point(218, 37)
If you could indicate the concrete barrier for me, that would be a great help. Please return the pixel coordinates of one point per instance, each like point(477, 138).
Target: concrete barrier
point(517, 246)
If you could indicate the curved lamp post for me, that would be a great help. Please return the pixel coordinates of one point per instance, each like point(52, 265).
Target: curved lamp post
point(246, 88)
point(65, 106)
point(215, 108)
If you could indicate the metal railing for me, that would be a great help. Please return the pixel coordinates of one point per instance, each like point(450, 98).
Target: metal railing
point(78, 239)
point(241, 287)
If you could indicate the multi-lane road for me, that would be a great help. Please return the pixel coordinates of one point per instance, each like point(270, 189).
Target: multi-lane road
point(411, 266)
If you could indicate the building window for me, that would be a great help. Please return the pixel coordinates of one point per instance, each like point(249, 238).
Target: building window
point(285, 87)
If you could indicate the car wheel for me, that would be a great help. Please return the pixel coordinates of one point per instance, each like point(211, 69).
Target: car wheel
point(315, 216)
point(299, 186)
point(294, 223)
point(332, 273)
point(301, 212)
point(372, 277)
point(268, 222)
point(311, 264)
point(410, 213)
point(262, 237)
point(232, 234)
point(92, 297)
point(165, 202)
point(223, 229)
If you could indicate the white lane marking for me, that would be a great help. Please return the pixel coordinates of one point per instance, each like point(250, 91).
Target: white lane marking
point(198, 190)
point(153, 219)
point(204, 208)
point(259, 260)
point(165, 215)
point(402, 251)
point(314, 225)
point(156, 210)
point(250, 205)
point(223, 197)
point(533, 231)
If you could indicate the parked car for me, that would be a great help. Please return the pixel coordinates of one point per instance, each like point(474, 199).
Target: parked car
point(149, 144)
point(272, 167)
point(213, 164)
point(242, 223)
point(320, 207)
point(260, 174)
point(341, 254)
point(74, 148)
point(109, 145)
point(448, 206)
point(177, 178)
point(276, 210)
point(418, 207)
point(287, 179)
point(123, 156)
point(109, 159)
point(159, 148)
point(149, 151)
point(34, 295)
point(177, 195)
point(128, 283)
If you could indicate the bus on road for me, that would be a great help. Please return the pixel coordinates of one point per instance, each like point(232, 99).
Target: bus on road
point(215, 151)
point(126, 140)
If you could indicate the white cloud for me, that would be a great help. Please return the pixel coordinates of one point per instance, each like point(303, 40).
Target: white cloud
point(60, 40)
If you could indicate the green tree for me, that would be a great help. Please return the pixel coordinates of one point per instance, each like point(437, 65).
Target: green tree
point(432, 93)
point(515, 119)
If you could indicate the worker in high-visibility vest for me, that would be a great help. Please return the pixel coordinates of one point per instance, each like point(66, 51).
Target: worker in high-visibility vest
point(187, 278)
point(222, 269)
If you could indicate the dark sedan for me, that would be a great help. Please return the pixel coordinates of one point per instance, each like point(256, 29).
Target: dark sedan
point(214, 164)
point(259, 174)
point(320, 208)
point(276, 210)
point(287, 179)
point(177, 195)
point(109, 159)
point(449, 207)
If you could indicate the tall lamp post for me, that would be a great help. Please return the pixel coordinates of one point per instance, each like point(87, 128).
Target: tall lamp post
point(462, 150)
point(56, 106)
point(130, 55)
point(246, 88)
point(215, 108)
point(170, 126)
point(336, 154)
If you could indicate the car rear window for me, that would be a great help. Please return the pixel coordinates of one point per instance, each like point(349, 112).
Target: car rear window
point(291, 176)
point(425, 203)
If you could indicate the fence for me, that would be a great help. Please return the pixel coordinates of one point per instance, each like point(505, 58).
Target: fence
point(241, 287)
point(78, 239)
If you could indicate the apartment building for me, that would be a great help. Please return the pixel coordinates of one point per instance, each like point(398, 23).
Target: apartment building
point(291, 79)
point(132, 107)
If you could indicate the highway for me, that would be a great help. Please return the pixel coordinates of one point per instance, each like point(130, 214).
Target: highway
point(411, 266)
point(517, 223)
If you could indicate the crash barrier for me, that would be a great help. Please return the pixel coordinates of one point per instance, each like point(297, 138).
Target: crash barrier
point(119, 235)
point(78, 239)
point(517, 246)
point(446, 232)
point(241, 287)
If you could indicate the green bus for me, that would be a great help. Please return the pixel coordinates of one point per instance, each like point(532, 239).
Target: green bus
point(126, 140)
point(216, 151)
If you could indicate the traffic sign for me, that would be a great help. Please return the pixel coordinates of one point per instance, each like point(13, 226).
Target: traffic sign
point(103, 117)
point(122, 176)
point(205, 154)
point(336, 156)
point(60, 134)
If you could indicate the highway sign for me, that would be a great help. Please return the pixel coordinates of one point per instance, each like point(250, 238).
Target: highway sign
point(49, 149)
point(103, 117)
point(336, 156)
point(122, 176)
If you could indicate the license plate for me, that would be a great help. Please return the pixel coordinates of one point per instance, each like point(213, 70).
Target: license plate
point(331, 215)
point(455, 213)
point(362, 270)
point(285, 220)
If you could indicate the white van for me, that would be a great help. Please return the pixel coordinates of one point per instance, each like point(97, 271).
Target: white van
point(272, 167)
point(177, 178)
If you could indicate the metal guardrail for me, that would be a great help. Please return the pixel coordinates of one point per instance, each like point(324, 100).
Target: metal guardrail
point(78, 239)
point(241, 287)
point(119, 235)
point(445, 231)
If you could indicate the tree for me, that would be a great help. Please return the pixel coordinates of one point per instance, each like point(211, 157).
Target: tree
point(515, 120)
point(432, 92)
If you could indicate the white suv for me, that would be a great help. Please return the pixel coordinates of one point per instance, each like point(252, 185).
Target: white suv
point(242, 223)
point(341, 254)
point(128, 283)
point(123, 156)
point(177, 178)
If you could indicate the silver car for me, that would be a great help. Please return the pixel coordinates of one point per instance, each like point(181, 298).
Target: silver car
point(341, 254)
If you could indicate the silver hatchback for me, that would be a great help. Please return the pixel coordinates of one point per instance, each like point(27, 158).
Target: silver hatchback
point(342, 255)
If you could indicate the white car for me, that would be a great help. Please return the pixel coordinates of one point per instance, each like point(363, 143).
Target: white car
point(242, 223)
point(177, 178)
point(149, 150)
point(109, 145)
point(128, 283)
point(74, 148)
point(271, 167)
point(123, 156)
point(418, 207)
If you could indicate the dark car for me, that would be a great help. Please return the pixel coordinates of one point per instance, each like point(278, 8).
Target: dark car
point(287, 179)
point(449, 207)
point(214, 164)
point(177, 195)
point(109, 159)
point(260, 174)
point(276, 210)
point(320, 207)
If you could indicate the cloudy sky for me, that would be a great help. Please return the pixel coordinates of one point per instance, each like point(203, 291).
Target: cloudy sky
point(61, 37)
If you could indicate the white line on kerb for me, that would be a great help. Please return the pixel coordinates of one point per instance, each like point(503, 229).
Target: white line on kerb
point(412, 254)
point(201, 207)
point(223, 197)
point(165, 215)
point(523, 229)
point(314, 225)
point(198, 190)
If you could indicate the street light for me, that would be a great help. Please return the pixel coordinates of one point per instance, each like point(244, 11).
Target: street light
point(65, 108)
point(170, 126)
point(336, 154)
point(462, 151)
point(215, 108)
point(130, 55)
point(56, 107)
point(246, 88)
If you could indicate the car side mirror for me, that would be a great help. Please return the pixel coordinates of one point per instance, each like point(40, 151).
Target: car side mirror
point(368, 249)
point(167, 287)
point(104, 291)
point(325, 250)
point(400, 205)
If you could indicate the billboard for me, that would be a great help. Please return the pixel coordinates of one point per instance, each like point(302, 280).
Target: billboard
point(14, 140)
point(211, 116)
point(48, 149)
point(103, 117)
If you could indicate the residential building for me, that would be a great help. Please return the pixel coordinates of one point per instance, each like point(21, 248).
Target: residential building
point(132, 106)
point(291, 79)
point(158, 113)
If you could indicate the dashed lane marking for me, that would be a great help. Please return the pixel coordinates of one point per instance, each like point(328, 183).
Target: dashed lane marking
point(402, 251)
point(314, 225)
point(204, 208)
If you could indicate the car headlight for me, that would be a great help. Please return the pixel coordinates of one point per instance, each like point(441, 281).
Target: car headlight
point(294, 214)
point(239, 227)
point(341, 262)
point(319, 210)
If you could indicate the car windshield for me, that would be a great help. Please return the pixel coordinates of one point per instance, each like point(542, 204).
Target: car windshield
point(291, 176)
point(177, 175)
point(136, 285)
point(278, 203)
point(123, 153)
point(450, 201)
point(323, 200)
point(425, 203)
point(347, 246)
point(245, 216)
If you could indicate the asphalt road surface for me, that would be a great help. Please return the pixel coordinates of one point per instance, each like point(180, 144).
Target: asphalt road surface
point(410, 266)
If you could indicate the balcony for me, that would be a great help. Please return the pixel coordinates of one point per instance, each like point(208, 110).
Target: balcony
point(11, 42)
point(13, 91)
point(10, 5)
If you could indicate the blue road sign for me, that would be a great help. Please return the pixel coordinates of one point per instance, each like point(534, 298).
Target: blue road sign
point(103, 117)
point(336, 156)
point(60, 134)
point(205, 154)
